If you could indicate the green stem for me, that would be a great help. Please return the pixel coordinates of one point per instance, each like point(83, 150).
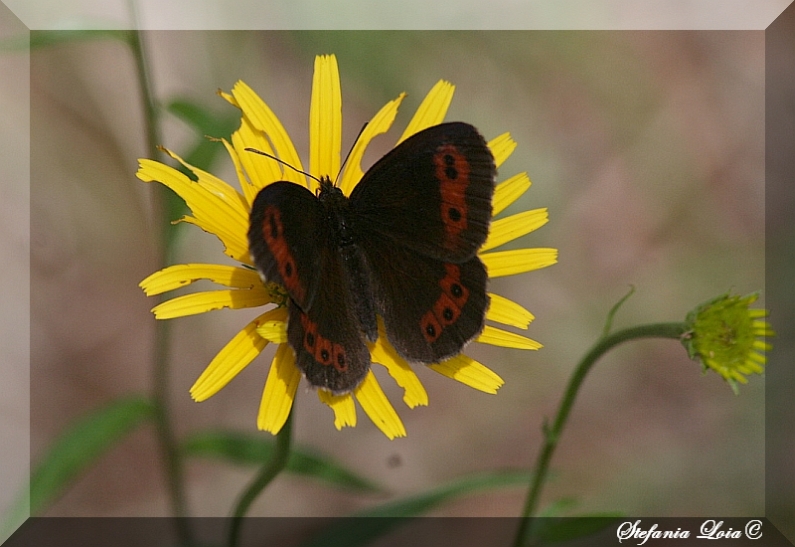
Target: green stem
point(268, 472)
point(172, 459)
point(147, 97)
point(552, 434)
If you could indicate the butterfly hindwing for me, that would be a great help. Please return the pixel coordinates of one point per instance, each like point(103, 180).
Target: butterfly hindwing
point(328, 344)
point(432, 193)
point(430, 308)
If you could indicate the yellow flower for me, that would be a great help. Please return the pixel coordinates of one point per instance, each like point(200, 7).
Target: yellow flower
point(220, 209)
point(728, 337)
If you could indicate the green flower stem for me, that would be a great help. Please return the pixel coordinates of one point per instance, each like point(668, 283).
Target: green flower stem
point(172, 459)
point(269, 471)
point(150, 110)
point(552, 434)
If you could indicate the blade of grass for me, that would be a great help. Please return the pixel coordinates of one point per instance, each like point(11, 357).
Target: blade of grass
point(358, 531)
point(559, 529)
point(77, 449)
point(245, 449)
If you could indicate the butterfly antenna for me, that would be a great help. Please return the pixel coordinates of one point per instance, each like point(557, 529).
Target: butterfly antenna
point(349, 152)
point(261, 153)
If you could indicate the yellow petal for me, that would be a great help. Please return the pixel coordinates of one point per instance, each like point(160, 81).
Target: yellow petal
point(432, 110)
point(762, 328)
point(764, 332)
point(380, 123)
point(325, 119)
point(757, 357)
point(502, 147)
point(507, 312)
point(383, 353)
point(377, 407)
point(235, 244)
point(221, 215)
point(499, 337)
point(234, 357)
point(749, 367)
point(507, 229)
point(234, 205)
point(259, 169)
point(519, 261)
point(249, 192)
point(761, 346)
point(179, 275)
point(263, 119)
point(509, 191)
point(226, 96)
point(735, 375)
point(279, 392)
point(343, 407)
point(274, 331)
point(201, 302)
point(469, 372)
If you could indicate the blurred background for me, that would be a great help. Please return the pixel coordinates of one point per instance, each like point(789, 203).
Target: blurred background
point(648, 150)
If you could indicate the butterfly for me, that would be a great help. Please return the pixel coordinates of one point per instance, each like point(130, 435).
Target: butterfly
point(402, 247)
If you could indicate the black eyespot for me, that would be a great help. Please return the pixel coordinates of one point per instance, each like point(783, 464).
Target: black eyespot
point(451, 173)
point(447, 314)
point(454, 214)
point(324, 354)
point(449, 160)
point(288, 269)
point(430, 330)
point(456, 289)
point(310, 339)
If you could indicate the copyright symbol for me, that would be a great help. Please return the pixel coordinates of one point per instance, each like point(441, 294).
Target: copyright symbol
point(753, 529)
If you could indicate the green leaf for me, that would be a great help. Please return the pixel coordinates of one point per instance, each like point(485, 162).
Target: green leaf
point(247, 449)
point(421, 503)
point(200, 118)
point(82, 444)
point(78, 448)
point(558, 508)
point(362, 531)
point(611, 314)
point(556, 530)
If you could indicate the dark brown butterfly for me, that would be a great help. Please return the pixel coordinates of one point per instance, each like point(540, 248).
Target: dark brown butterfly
point(403, 246)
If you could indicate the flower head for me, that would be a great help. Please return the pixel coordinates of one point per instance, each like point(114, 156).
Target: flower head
point(220, 209)
point(728, 337)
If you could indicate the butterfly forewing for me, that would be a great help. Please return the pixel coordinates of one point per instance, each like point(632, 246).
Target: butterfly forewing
point(431, 194)
point(292, 244)
point(285, 239)
point(421, 213)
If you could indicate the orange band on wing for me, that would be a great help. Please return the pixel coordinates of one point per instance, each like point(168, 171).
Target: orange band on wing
point(273, 232)
point(323, 350)
point(447, 308)
point(452, 172)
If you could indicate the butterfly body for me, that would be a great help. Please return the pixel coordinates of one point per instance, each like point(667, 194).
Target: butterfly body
point(403, 247)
